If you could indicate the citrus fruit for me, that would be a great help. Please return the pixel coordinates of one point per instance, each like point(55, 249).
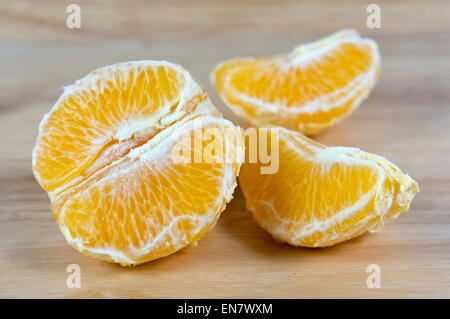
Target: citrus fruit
point(105, 155)
point(309, 89)
point(321, 196)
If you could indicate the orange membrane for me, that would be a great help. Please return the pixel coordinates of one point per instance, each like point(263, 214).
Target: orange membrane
point(321, 196)
point(310, 89)
point(103, 154)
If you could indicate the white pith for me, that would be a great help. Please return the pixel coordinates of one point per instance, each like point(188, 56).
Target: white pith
point(299, 57)
point(309, 52)
point(146, 152)
point(325, 157)
point(126, 129)
point(157, 147)
point(322, 103)
point(161, 116)
point(166, 115)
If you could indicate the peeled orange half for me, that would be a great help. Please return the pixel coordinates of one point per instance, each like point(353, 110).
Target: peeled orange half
point(309, 89)
point(321, 196)
point(105, 155)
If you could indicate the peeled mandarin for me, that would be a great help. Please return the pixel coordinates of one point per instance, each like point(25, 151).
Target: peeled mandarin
point(308, 89)
point(105, 155)
point(320, 196)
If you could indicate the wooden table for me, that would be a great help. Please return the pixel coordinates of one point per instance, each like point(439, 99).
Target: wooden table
point(406, 119)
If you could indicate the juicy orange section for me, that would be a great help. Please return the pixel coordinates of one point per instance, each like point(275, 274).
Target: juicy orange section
point(147, 203)
point(91, 112)
point(308, 90)
point(324, 195)
point(281, 81)
point(106, 151)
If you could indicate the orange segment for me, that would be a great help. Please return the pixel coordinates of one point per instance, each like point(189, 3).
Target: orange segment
point(108, 105)
point(322, 195)
point(105, 154)
point(309, 89)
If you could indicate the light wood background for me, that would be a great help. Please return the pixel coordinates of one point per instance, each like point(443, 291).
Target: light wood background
point(406, 119)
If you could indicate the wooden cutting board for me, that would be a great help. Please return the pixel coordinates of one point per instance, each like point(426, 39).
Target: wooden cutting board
point(406, 119)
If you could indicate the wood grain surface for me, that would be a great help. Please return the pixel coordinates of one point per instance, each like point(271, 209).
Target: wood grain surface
point(406, 119)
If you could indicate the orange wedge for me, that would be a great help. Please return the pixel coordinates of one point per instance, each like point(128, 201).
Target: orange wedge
point(105, 155)
point(321, 196)
point(309, 89)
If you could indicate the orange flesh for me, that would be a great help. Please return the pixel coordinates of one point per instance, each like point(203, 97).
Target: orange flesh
point(308, 90)
point(104, 156)
point(322, 196)
point(85, 121)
